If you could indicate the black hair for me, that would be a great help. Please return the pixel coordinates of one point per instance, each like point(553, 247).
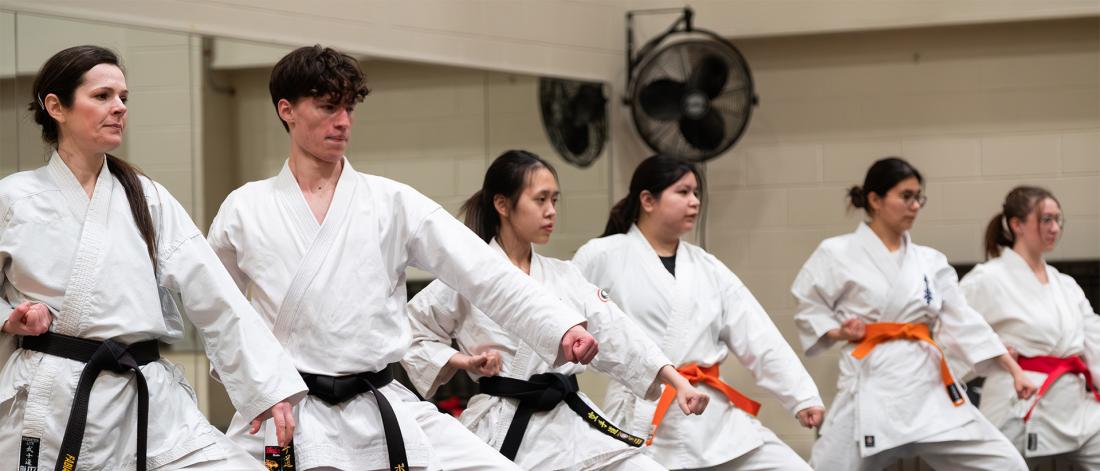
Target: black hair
point(508, 175)
point(60, 76)
point(883, 175)
point(654, 175)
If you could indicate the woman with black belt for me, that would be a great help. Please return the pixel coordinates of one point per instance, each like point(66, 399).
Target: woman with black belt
point(98, 261)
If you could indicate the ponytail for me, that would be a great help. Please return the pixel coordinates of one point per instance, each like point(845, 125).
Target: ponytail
point(129, 177)
point(480, 216)
point(997, 236)
point(654, 175)
point(60, 76)
point(1019, 203)
point(506, 176)
point(622, 215)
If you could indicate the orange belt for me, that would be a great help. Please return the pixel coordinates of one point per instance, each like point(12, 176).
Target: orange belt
point(1055, 367)
point(695, 375)
point(880, 332)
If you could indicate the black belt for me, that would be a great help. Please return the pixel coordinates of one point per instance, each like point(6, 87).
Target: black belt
point(106, 355)
point(337, 389)
point(543, 392)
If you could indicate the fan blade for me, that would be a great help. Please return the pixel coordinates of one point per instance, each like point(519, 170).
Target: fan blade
point(706, 133)
point(710, 76)
point(575, 137)
point(660, 99)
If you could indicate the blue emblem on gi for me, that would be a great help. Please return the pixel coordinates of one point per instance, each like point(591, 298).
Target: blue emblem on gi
point(927, 291)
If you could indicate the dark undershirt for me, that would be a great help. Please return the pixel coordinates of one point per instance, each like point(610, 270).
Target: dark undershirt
point(670, 263)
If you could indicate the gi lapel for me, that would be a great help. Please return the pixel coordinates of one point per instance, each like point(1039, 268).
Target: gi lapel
point(93, 239)
point(78, 293)
point(320, 243)
point(903, 280)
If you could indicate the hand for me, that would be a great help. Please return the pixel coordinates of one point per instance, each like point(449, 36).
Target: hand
point(811, 417)
point(853, 330)
point(28, 319)
point(1024, 387)
point(691, 400)
point(283, 413)
point(578, 346)
point(486, 363)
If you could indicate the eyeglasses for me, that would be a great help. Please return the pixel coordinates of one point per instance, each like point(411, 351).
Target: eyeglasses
point(911, 197)
point(1047, 219)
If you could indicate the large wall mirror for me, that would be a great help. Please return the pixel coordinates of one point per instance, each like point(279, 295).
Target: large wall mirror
point(200, 121)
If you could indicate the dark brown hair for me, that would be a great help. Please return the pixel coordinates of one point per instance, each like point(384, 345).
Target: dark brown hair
point(61, 75)
point(883, 175)
point(1019, 203)
point(507, 176)
point(654, 175)
point(319, 72)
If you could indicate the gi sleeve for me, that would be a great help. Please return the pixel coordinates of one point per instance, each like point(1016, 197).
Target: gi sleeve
point(1092, 327)
point(250, 362)
point(226, 223)
point(443, 246)
point(433, 323)
point(753, 338)
point(627, 354)
point(8, 342)
point(816, 299)
point(961, 331)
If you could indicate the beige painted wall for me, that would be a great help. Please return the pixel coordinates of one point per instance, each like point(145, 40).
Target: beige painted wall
point(573, 38)
point(161, 71)
point(435, 128)
point(163, 126)
point(977, 109)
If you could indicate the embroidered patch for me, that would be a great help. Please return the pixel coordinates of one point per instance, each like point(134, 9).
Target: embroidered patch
point(927, 291)
point(954, 394)
point(279, 458)
point(869, 441)
point(602, 295)
point(1032, 441)
point(28, 454)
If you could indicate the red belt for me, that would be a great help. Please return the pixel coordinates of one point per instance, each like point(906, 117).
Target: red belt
point(1055, 367)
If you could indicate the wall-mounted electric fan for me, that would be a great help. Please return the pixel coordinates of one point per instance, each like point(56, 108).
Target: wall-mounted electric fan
point(690, 91)
point(574, 115)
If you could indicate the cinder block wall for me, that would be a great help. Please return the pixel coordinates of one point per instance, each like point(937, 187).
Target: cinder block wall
point(435, 128)
point(978, 109)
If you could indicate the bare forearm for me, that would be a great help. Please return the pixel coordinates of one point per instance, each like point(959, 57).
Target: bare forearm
point(459, 361)
point(671, 377)
point(1010, 365)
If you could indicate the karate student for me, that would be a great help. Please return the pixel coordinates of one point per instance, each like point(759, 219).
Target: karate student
point(699, 313)
point(1044, 316)
point(894, 306)
point(562, 430)
point(322, 249)
point(95, 258)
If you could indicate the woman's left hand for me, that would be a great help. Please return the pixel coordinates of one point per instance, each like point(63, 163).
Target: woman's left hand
point(1024, 387)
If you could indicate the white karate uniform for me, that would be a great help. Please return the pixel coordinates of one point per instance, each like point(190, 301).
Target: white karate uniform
point(85, 260)
point(1039, 320)
point(334, 295)
point(554, 440)
point(893, 403)
point(700, 315)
